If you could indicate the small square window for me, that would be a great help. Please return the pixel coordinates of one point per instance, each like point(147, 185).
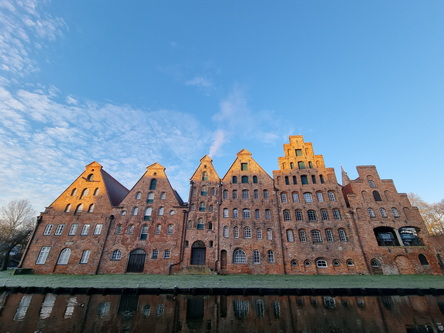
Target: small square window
point(244, 166)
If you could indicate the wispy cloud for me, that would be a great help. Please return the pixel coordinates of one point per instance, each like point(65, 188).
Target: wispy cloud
point(199, 81)
point(23, 28)
point(44, 144)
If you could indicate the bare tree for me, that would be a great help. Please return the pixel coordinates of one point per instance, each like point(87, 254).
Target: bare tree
point(433, 214)
point(16, 225)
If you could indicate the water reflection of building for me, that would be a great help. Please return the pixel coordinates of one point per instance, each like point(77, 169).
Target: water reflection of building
point(300, 221)
point(167, 313)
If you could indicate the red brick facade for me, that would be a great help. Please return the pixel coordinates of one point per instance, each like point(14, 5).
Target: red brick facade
point(300, 221)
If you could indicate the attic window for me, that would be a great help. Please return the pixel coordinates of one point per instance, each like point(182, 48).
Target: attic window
point(244, 166)
point(90, 177)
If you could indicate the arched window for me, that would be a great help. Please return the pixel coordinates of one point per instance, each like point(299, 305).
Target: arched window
point(320, 196)
point(256, 194)
point(48, 229)
point(161, 211)
point(295, 180)
point(116, 255)
point(91, 208)
point(283, 197)
point(375, 263)
point(265, 192)
point(239, 257)
point(247, 232)
point(295, 197)
point(225, 194)
point(135, 211)
point(256, 257)
point(307, 263)
point(79, 209)
point(204, 190)
point(336, 214)
point(350, 263)
point(304, 180)
point(324, 214)
point(257, 214)
point(234, 179)
point(148, 212)
point(377, 196)
point(312, 215)
point(267, 214)
point(270, 255)
point(119, 229)
point(383, 212)
point(321, 263)
point(67, 208)
point(269, 234)
point(290, 235)
point(210, 225)
point(321, 178)
point(200, 224)
point(259, 233)
point(255, 179)
point(308, 197)
point(245, 194)
point(226, 232)
point(236, 232)
point(153, 184)
point(158, 229)
point(310, 165)
point(235, 213)
point(204, 175)
point(342, 235)
point(371, 213)
point(313, 179)
point(234, 194)
point(331, 196)
point(90, 177)
point(225, 212)
point(244, 179)
point(298, 214)
point(287, 216)
point(202, 206)
point(301, 165)
point(423, 260)
point(291, 165)
point(163, 196)
point(316, 236)
point(395, 212)
point(73, 192)
point(150, 198)
point(138, 195)
point(96, 192)
point(246, 213)
point(329, 235)
point(131, 229)
point(64, 257)
point(371, 183)
point(302, 236)
point(144, 232)
point(84, 193)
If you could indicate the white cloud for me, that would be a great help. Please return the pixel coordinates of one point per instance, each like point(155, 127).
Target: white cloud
point(199, 81)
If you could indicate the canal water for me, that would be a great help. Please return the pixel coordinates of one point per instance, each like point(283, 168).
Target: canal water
point(21, 312)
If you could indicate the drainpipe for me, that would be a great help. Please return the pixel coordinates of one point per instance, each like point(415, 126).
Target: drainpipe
point(280, 228)
point(22, 259)
point(182, 242)
point(110, 220)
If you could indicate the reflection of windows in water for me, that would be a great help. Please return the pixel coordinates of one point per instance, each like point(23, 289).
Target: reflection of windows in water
point(159, 310)
point(72, 302)
point(241, 309)
point(260, 308)
point(276, 309)
point(146, 310)
point(47, 306)
point(329, 302)
point(103, 309)
point(22, 308)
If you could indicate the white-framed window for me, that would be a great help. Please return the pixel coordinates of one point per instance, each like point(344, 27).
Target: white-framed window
point(155, 254)
point(116, 255)
point(235, 213)
point(342, 235)
point(336, 214)
point(200, 224)
point(324, 214)
point(98, 229)
point(170, 229)
point(73, 229)
point(138, 195)
point(163, 196)
point(135, 211)
point(259, 233)
point(226, 232)
point(225, 194)
point(331, 196)
point(302, 236)
point(267, 214)
point(290, 235)
point(167, 254)
point(96, 192)
point(257, 214)
point(269, 234)
point(161, 211)
point(225, 212)
point(85, 229)
point(308, 197)
point(59, 229)
point(295, 197)
point(247, 232)
point(371, 213)
point(329, 235)
point(270, 255)
point(287, 216)
point(91, 208)
point(299, 216)
point(131, 229)
point(320, 196)
point(246, 213)
point(316, 236)
point(371, 183)
point(321, 263)
point(150, 198)
point(158, 229)
point(239, 257)
point(245, 194)
point(256, 194)
point(383, 212)
point(48, 229)
point(67, 208)
point(236, 232)
point(395, 212)
point(283, 197)
point(85, 256)
point(311, 215)
point(148, 212)
point(119, 229)
point(265, 194)
point(43, 255)
point(64, 256)
point(234, 194)
point(256, 257)
point(350, 263)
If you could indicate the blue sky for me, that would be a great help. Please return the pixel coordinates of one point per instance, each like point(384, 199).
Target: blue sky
point(132, 83)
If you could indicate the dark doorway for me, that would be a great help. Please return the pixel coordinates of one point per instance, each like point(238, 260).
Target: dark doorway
point(136, 261)
point(223, 259)
point(198, 253)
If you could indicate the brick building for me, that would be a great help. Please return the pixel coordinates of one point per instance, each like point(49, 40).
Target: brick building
point(300, 221)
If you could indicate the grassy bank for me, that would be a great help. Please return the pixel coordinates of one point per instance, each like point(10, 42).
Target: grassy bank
point(219, 281)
